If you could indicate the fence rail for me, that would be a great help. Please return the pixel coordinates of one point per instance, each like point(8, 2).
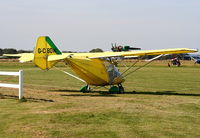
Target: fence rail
point(19, 86)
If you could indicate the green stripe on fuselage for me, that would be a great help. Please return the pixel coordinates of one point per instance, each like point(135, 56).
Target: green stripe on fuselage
point(57, 51)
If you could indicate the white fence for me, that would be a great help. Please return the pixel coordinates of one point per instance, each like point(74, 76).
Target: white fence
point(19, 86)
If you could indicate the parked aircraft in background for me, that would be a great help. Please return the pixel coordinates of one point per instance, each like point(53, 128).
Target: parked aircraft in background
point(197, 61)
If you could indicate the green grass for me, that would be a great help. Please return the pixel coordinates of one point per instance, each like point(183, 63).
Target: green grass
point(158, 102)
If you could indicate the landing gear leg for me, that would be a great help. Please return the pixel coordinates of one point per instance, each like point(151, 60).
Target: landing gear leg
point(121, 88)
point(85, 89)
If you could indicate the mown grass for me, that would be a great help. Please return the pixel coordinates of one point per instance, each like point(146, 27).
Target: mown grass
point(158, 102)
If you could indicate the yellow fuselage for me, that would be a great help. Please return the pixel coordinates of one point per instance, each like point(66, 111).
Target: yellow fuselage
point(98, 72)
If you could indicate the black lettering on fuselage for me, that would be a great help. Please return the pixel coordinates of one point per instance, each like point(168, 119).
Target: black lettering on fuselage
point(45, 50)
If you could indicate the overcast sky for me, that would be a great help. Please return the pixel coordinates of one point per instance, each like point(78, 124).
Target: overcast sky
point(81, 25)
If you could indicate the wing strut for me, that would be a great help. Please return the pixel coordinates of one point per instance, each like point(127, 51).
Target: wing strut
point(149, 61)
point(130, 67)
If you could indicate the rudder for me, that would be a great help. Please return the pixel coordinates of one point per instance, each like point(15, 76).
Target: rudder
point(44, 48)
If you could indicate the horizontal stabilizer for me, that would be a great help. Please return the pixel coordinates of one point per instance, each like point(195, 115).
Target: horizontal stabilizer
point(23, 57)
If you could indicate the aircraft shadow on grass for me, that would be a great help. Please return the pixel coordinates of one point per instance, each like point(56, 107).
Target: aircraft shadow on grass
point(91, 93)
point(2, 96)
point(163, 93)
point(106, 94)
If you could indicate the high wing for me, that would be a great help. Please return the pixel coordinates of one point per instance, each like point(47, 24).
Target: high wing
point(26, 57)
point(120, 54)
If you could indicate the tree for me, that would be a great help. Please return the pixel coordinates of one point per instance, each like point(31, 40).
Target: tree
point(96, 50)
point(1, 51)
point(9, 51)
point(24, 51)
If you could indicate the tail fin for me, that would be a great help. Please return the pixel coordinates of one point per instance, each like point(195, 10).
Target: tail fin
point(44, 48)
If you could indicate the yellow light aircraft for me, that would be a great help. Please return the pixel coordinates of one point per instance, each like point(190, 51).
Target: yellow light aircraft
point(95, 69)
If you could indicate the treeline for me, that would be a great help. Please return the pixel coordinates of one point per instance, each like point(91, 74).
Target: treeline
point(13, 51)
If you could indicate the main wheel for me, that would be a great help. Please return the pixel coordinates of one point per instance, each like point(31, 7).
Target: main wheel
point(113, 90)
point(85, 89)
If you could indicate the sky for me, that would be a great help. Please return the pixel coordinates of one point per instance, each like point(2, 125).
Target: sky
point(81, 25)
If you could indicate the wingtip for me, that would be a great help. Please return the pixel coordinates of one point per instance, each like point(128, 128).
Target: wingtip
point(196, 50)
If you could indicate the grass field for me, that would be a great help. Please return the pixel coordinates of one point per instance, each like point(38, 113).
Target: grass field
point(158, 102)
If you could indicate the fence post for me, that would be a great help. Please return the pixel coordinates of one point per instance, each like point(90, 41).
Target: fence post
point(20, 84)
